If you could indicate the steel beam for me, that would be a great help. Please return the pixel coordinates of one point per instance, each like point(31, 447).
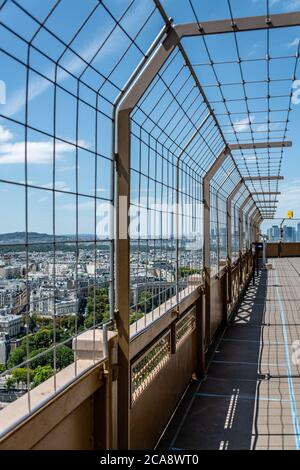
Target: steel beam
point(267, 201)
point(259, 145)
point(239, 25)
point(263, 178)
point(268, 212)
point(266, 193)
point(248, 199)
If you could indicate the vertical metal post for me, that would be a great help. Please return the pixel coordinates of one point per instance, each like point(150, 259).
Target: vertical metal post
point(229, 218)
point(229, 236)
point(162, 48)
point(206, 231)
point(264, 252)
point(123, 277)
point(241, 231)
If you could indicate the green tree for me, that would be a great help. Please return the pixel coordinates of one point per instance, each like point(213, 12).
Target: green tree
point(64, 356)
point(184, 271)
point(10, 383)
point(97, 299)
point(17, 356)
point(134, 316)
point(41, 374)
point(42, 360)
point(32, 322)
point(20, 375)
point(145, 301)
point(42, 339)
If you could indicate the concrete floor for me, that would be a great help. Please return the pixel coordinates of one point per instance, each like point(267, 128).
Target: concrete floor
point(251, 397)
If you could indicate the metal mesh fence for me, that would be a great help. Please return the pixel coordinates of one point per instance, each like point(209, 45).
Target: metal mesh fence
point(68, 69)
point(57, 176)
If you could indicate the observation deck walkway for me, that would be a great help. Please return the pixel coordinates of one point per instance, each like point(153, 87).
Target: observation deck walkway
point(250, 398)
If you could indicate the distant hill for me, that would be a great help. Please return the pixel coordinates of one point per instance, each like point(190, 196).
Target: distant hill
point(35, 237)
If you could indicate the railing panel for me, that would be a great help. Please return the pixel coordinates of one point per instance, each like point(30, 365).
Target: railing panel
point(159, 377)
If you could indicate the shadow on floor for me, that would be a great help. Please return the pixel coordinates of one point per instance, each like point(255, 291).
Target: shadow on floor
point(221, 411)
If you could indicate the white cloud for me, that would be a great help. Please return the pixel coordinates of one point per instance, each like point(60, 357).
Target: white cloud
point(287, 200)
point(67, 168)
point(5, 134)
point(43, 199)
point(262, 128)
point(243, 124)
point(39, 153)
point(287, 5)
point(82, 206)
point(293, 43)
point(254, 49)
point(250, 158)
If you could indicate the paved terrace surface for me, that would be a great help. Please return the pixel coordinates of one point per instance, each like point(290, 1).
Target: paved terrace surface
point(251, 396)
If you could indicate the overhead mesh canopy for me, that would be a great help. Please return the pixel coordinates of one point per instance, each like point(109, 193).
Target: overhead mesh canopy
point(248, 81)
point(85, 63)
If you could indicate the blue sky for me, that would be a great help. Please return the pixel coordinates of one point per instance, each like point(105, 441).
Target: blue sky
point(107, 75)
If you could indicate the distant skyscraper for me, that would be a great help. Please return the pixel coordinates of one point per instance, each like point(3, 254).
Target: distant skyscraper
point(298, 232)
point(289, 234)
point(275, 232)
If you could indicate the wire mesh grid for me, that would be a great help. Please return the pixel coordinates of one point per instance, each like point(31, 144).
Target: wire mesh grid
point(57, 176)
point(57, 163)
point(249, 84)
point(168, 156)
